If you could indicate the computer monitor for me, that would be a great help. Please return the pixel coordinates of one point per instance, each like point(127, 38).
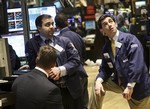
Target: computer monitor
point(90, 24)
point(36, 11)
point(139, 4)
point(59, 5)
point(138, 7)
point(15, 22)
point(17, 42)
point(75, 21)
point(109, 12)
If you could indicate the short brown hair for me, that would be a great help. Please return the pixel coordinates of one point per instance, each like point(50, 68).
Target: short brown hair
point(61, 20)
point(46, 56)
point(101, 18)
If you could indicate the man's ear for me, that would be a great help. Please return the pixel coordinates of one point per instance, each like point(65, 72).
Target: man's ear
point(39, 28)
point(116, 24)
point(37, 58)
point(101, 30)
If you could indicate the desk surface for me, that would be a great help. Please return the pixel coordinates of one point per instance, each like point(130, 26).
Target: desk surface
point(7, 98)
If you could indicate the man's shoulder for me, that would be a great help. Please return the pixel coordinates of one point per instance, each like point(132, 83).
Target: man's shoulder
point(126, 35)
point(61, 38)
point(34, 39)
point(72, 35)
point(21, 77)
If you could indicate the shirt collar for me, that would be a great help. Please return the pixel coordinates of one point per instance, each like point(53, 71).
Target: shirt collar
point(63, 29)
point(115, 38)
point(43, 38)
point(38, 68)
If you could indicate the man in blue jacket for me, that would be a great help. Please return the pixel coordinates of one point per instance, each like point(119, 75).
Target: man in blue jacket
point(68, 66)
point(62, 23)
point(123, 69)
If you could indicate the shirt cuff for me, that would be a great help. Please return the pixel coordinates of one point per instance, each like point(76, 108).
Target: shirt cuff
point(99, 80)
point(63, 71)
point(131, 84)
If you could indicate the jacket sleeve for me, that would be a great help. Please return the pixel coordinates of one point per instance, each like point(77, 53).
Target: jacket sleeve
point(136, 59)
point(30, 54)
point(71, 57)
point(15, 61)
point(104, 70)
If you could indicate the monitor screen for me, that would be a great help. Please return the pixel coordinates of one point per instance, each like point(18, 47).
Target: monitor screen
point(59, 5)
point(17, 42)
point(90, 24)
point(109, 12)
point(71, 20)
point(75, 21)
point(15, 22)
point(36, 11)
point(139, 4)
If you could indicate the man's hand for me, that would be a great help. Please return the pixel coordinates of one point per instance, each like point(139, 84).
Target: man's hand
point(54, 73)
point(99, 90)
point(127, 93)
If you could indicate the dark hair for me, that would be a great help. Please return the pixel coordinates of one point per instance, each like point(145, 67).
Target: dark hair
point(61, 20)
point(46, 56)
point(123, 21)
point(38, 21)
point(101, 18)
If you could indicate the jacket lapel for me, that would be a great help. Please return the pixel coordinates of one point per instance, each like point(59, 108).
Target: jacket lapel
point(109, 51)
point(120, 41)
point(37, 43)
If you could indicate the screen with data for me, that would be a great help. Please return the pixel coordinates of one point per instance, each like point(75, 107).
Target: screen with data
point(17, 42)
point(90, 24)
point(36, 11)
point(15, 22)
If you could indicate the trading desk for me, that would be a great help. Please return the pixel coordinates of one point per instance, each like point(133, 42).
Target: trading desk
point(7, 98)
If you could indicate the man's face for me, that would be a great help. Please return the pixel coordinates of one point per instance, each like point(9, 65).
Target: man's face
point(47, 29)
point(126, 22)
point(109, 27)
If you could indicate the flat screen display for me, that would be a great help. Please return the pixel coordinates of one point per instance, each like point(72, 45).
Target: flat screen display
point(36, 11)
point(90, 24)
point(109, 12)
point(59, 5)
point(17, 42)
point(15, 22)
point(139, 4)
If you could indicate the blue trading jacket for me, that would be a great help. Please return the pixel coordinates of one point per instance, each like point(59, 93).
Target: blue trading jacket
point(129, 64)
point(68, 57)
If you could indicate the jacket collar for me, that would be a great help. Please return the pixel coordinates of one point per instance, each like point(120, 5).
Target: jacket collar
point(64, 30)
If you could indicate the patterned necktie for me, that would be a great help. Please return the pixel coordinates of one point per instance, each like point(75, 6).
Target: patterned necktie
point(113, 47)
point(47, 41)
